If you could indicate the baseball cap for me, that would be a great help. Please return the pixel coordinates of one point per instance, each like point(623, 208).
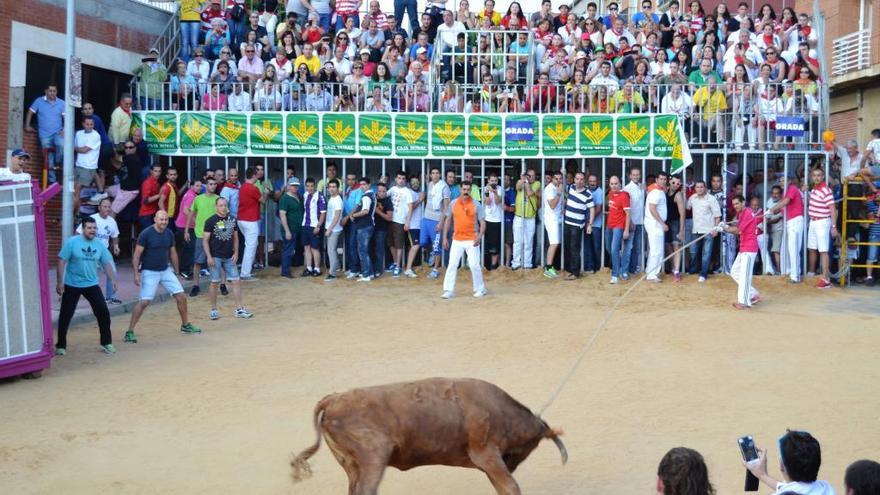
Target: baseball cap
point(599, 49)
point(293, 181)
point(19, 153)
point(365, 50)
point(421, 49)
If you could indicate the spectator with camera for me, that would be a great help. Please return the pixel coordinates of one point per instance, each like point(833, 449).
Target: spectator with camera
point(800, 457)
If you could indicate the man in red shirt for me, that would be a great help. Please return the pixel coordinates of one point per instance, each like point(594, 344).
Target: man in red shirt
point(744, 264)
point(823, 216)
point(250, 199)
point(168, 196)
point(794, 226)
point(150, 197)
point(617, 226)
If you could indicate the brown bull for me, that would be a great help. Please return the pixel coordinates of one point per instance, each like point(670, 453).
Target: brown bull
point(451, 422)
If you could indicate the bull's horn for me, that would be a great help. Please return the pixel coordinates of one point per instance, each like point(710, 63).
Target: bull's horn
point(561, 447)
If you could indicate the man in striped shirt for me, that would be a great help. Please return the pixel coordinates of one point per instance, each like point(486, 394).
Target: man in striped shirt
point(823, 216)
point(873, 237)
point(579, 208)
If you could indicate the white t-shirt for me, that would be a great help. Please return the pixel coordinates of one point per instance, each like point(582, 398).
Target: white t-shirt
point(492, 205)
point(415, 221)
point(401, 197)
point(818, 487)
point(436, 194)
point(874, 147)
point(636, 203)
point(334, 204)
point(107, 229)
point(92, 140)
point(656, 197)
point(552, 215)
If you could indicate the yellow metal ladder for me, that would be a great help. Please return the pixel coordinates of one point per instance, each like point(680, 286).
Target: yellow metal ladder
point(845, 229)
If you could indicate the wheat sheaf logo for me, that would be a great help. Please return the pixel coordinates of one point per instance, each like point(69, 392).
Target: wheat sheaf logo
point(302, 132)
point(195, 130)
point(161, 131)
point(266, 132)
point(375, 132)
point(230, 131)
point(447, 133)
point(633, 133)
point(559, 133)
point(667, 133)
point(596, 133)
point(339, 132)
point(485, 133)
point(411, 133)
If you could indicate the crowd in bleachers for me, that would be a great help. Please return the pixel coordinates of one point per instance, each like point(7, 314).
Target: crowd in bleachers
point(727, 75)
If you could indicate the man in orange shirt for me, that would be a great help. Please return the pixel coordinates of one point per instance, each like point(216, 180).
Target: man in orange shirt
point(469, 226)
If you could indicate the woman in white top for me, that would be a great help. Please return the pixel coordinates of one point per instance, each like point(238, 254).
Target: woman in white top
point(591, 27)
point(660, 64)
point(570, 32)
point(267, 98)
point(354, 33)
point(766, 109)
point(283, 67)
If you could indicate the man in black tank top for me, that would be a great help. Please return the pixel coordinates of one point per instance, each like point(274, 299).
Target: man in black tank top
point(675, 210)
point(364, 223)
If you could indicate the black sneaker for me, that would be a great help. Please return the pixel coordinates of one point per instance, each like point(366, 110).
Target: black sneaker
point(306, 273)
point(223, 290)
point(194, 291)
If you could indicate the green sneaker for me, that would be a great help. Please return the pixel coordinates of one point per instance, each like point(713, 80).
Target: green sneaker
point(130, 337)
point(190, 328)
point(60, 351)
point(108, 349)
point(550, 272)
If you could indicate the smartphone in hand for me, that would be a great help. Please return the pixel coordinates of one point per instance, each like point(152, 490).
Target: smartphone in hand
point(749, 453)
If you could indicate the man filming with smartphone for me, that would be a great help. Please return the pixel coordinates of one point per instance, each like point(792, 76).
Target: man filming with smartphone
point(799, 459)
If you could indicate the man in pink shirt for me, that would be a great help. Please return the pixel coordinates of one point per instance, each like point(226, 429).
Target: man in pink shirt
point(741, 271)
point(187, 249)
point(794, 226)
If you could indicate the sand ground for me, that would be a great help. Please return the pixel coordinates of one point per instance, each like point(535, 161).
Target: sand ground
point(221, 412)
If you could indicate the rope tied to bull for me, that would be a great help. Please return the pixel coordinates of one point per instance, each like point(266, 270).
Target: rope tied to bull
point(602, 324)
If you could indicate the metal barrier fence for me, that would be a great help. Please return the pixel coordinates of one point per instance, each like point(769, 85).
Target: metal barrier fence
point(737, 116)
point(754, 172)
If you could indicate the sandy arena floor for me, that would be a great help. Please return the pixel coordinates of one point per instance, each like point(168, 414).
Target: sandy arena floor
point(221, 412)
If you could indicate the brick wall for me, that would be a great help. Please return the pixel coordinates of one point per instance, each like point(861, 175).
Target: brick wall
point(53, 18)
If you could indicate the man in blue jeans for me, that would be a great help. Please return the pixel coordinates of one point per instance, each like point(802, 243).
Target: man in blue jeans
point(411, 7)
point(351, 201)
point(49, 110)
point(632, 248)
point(363, 223)
point(291, 211)
point(706, 215)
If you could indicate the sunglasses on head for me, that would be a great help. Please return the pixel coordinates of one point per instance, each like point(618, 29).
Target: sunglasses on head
point(129, 147)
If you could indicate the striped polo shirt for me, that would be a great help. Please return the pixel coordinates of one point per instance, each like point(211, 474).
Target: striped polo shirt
point(821, 200)
point(577, 207)
point(874, 229)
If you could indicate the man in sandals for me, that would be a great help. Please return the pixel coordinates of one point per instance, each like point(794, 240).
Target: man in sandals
point(154, 262)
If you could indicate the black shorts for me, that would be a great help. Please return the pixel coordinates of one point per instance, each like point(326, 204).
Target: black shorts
point(493, 237)
point(414, 237)
point(310, 238)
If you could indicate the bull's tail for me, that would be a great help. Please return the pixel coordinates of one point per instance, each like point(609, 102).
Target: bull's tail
point(300, 464)
point(554, 434)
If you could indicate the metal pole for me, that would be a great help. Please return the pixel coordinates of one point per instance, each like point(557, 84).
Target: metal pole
point(67, 181)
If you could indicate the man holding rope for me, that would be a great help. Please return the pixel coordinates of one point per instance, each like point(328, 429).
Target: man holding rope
point(744, 264)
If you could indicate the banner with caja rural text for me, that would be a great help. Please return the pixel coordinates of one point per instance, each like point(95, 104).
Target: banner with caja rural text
point(410, 135)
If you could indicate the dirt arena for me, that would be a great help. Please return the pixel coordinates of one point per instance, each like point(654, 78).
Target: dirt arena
point(221, 412)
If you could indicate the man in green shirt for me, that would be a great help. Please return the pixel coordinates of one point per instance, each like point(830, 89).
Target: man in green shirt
point(528, 197)
point(291, 210)
point(203, 208)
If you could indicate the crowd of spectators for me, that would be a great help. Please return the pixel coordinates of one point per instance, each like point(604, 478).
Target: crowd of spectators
point(727, 74)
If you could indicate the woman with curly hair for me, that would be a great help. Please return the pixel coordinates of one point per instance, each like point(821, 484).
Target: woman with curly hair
point(682, 471)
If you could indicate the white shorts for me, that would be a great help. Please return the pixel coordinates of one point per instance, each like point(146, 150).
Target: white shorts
point(554, 230)
point(819, 235)
point(151, 279)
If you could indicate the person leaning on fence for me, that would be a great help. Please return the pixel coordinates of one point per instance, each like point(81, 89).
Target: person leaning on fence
point(77, 275)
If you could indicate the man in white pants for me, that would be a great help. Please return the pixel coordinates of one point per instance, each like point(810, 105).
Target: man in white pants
point(250, 199)
point(552, 210)
point(794, 227)
point(526, 208)
point(823, 219)
point(470, 224)
point(655, 226)
point(744, 264)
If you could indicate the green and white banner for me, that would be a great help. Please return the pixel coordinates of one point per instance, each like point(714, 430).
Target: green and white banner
point(407, 135)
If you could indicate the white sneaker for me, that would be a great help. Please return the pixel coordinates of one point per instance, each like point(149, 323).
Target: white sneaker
point(411, 274)
point(350, 275)
point(656, 280)
point(701, 279)
point(447, 294)
point(481, 293)
point(613, 280)
point(811, 274)
point(98, 197)
point(365, 279)
point(435, 273)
